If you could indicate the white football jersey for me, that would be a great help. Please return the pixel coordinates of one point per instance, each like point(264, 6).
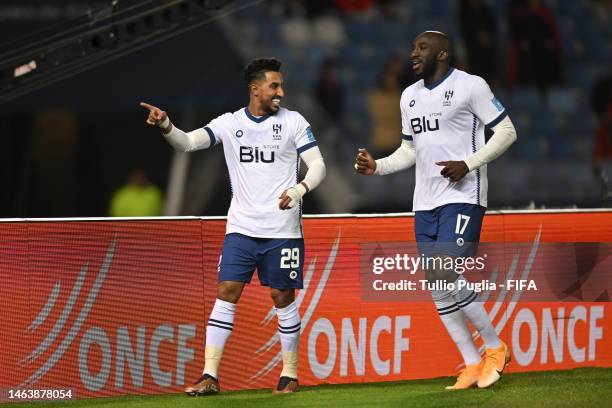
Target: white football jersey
point(447, 121)
point(262, 156)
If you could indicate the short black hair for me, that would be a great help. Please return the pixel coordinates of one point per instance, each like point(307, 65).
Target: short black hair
point(257, 68)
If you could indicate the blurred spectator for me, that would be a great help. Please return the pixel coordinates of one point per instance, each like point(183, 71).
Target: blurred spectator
point(383, 107)
point(479, 31)
point(137, 198)
point(535, 54)
point(328, 89)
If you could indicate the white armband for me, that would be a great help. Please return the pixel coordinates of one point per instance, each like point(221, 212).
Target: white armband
point(504, 136)
point(403, 158)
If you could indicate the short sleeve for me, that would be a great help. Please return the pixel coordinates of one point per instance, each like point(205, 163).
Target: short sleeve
point(485, 105)
point(304, 137)
point(217, 127)
point(406, 128)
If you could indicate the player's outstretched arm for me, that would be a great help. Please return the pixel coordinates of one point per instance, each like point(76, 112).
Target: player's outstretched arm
point(402, 158)
point(157, 117)
point(181, 141)
point(314, 176)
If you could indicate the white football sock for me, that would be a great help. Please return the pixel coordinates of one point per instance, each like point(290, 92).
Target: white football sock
point(456, 325)
point(289, 327)
point(218, 330)
point(467, 300)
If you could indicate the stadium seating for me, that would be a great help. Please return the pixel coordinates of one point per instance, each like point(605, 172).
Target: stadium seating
point(557, 130)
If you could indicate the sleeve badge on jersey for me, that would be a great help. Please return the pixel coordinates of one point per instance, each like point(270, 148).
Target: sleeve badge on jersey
point(309, 134)
point(497, 104)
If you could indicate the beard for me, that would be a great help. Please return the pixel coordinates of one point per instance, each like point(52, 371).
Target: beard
point(270, 108)
point(429, 69)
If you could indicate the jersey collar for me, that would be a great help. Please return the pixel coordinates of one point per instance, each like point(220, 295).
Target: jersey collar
point(253, 118)
point(439, 81)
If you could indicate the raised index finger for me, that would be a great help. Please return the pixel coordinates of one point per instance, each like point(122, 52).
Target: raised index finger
point(146, 105)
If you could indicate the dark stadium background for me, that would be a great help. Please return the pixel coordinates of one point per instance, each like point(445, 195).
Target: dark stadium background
point(68, 146)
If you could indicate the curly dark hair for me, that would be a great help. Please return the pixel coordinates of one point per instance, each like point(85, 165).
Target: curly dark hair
point(257, 68)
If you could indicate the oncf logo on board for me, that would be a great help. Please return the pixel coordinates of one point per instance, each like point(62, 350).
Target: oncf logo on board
point(119, 347)
point(339, 346)
point(348, 340)
point(552, 335)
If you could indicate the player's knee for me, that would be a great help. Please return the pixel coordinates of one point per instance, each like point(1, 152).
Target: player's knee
point(229, 291)
point(440, 272)
point(282, 298)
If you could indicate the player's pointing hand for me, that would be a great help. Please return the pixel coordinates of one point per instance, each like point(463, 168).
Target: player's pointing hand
point(453, 170)
point(364, 162)
point(156, 115)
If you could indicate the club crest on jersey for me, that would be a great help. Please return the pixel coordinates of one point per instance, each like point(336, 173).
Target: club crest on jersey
point(239, 133)
point(411, 104)
point(277, 127)
point(448, 95)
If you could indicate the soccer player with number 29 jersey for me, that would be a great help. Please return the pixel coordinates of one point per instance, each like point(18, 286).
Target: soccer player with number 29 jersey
point(263, 144)
point(445, 116)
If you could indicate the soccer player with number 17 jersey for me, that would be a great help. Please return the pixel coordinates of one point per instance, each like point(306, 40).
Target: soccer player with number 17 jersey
point(445, 116)
point(263, 144)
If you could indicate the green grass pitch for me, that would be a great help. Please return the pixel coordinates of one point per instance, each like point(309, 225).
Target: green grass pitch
point(584, 387)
